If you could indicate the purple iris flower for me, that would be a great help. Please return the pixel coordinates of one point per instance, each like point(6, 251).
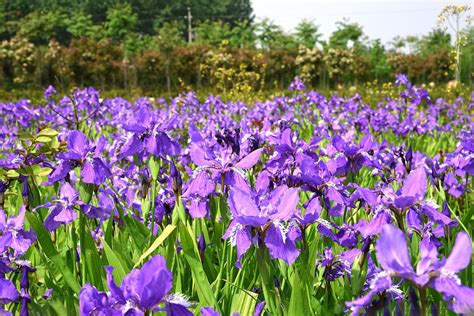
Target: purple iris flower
point(356, 155)
point(271, 215)
point(297, 85)
point(25, 268)
point(289, 151)
point(142, 291)
point(197, 194)
point(208, 311)
point(8, 294)
point(412, 197)
point(225, 166)
point(49, 91)
point(85, 154)
point(259, 308)
point(13, 235)
point(336, 265)
point(377, 281)
point(62, 210)
point(402, 79)
point(441, 275)
point(106, 205)
point(145, 134)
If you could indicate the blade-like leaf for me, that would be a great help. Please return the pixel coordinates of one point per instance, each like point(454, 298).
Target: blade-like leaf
point(166, 232)
point(50, 251)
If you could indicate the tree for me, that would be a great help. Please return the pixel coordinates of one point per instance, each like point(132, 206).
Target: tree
point(121, 20)
point(212, 33)
point(434, 41)
point(170, 35)
point(271, 35)
point(397, 43)
point(413, 43)
point(80, 24)
point(379, 66)
point(346, 33)
point(467, 57)
point(306, 33)
point(40, 26)
point(243, 34)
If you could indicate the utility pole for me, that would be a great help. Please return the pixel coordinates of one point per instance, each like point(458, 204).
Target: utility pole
point(190, 29)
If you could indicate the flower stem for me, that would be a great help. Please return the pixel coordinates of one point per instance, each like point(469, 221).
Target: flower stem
point(271, 297)
point(422, 292)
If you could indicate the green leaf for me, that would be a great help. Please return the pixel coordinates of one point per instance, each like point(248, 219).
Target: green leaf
point(25, 135)
point(200, 281)
point(154, 164)
point(165, 234)
point(48, 132)
point(358, 274)
point(92, 266)
point(12, 174)
point(34, 197)
point(85, 191)
point(244, 302)
point(42, 171)
point(116, 260)
point(298, 302)
point(51, 253)
point(43, 139)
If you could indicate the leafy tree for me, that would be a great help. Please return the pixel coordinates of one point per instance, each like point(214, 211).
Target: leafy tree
point(121, 21)
point(379, 66)
point(120, 17)
point(413, 43)
point(80, 24)
point(40, 26)
point(346, 33)
point(135, 43)
point(435, 41)
point(243, 34)
point(169, 37)
point(212, 33)
point(306, 33)
point(241, 10)
point(397, 43)
point(271, 35)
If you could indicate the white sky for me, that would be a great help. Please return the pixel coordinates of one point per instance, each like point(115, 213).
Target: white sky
point(382, 19)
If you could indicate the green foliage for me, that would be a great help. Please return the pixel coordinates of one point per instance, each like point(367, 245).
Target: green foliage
point(40, 26)
point(144, 43)
point(170, 35)
point(118, 17)
point(135, 43)
point(306, 33)
point(121, 20)
point(80, 24)
point(272, 36)
point(467, 58)
point(380, 68)
point(345, 34)
point(434, 41)
point(242, 35)
point(212, 33)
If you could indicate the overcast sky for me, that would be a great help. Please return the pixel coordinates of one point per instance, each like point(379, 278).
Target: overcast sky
point(382, 19)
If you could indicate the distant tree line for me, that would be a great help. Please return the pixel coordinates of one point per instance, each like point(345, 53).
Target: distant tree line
point(143, 43)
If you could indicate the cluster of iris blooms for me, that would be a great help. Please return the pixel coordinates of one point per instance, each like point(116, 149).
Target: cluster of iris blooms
point(283, 166)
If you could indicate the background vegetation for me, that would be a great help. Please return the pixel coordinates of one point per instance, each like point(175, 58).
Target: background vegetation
point(143, 44)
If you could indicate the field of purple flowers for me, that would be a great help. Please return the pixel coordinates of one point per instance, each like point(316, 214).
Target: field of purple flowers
point(299, 205)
